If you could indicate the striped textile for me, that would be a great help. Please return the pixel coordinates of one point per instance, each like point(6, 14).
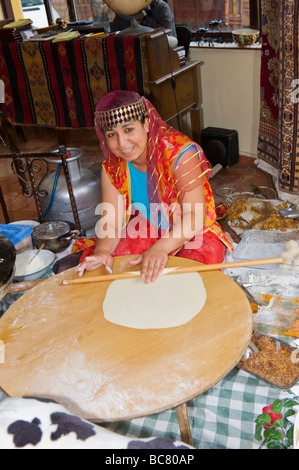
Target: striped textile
point(59, 84)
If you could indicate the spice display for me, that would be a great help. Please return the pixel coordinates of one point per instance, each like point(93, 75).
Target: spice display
point(275, 361)
point(245, 214)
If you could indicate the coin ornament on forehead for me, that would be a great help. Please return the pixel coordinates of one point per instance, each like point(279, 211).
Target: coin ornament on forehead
point(107, 119)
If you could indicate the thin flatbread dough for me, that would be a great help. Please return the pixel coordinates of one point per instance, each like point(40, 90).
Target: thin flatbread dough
point(168, 302)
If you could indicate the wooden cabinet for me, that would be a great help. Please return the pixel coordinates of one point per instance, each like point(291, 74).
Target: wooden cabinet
point(173, 88)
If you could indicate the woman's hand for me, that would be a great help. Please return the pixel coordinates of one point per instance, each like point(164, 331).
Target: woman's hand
point(153, 262)
point(95, 261)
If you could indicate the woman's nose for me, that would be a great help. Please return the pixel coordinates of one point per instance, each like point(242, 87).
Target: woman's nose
point(121, 140)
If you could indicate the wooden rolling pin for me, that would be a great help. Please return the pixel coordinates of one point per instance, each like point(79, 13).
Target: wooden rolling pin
point(189, 269)
point(24, 285)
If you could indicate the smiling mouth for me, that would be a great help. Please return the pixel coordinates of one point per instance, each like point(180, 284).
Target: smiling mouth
point(128, 150)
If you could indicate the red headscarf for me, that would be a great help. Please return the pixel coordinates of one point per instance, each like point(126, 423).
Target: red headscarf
point(166, 182)
point(164, 146)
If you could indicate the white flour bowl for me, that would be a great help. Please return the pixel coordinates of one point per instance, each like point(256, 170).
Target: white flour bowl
point(26, 271)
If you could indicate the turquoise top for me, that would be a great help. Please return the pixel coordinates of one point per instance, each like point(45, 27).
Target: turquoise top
point(139, 191)
point(139, 194)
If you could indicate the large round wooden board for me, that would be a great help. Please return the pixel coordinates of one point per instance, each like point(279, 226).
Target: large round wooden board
point(59, 345)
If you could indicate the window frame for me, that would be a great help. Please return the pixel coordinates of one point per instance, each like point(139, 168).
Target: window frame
point(7, 9)
point(255, 23)
point(226, 36)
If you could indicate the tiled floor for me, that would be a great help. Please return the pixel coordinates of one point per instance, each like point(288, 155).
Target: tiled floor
point(244, 176)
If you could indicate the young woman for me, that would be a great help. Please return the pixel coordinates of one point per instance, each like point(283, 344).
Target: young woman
point(156, 198)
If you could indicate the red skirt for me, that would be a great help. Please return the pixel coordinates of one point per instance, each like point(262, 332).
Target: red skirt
point(211, 251)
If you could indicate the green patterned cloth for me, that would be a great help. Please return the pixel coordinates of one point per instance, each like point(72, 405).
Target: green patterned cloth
point(221, 418)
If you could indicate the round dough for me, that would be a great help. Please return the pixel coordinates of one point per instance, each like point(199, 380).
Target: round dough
point(170, 301)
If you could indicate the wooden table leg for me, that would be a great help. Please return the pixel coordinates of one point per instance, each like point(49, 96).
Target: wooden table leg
point(184, 424)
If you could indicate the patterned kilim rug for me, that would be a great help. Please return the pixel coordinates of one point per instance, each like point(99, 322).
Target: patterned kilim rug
point(59, 84)
point(278, 144)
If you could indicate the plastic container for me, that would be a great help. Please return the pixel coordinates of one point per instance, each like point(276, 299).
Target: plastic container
point(262, 244)
point(271, 282)
point(278, 293)
point(19, 235)
point(279, 317)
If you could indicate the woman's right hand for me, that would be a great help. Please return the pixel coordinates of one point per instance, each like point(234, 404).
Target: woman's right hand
point(95, 261)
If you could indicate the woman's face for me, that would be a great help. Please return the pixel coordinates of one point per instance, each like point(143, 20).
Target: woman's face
point(129, 141)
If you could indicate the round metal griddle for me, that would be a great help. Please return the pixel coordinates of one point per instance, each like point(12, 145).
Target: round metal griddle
point(7, 264)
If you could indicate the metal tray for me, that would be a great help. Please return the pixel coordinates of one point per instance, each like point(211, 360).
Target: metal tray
point(281, 344)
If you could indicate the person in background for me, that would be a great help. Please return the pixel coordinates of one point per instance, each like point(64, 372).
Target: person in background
point(158, 15)
point(156, 197)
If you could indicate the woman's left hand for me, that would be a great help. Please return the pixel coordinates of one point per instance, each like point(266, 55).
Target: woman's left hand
point(153, 262)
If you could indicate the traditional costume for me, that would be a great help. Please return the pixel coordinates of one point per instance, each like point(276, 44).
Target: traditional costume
point(166, 180)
